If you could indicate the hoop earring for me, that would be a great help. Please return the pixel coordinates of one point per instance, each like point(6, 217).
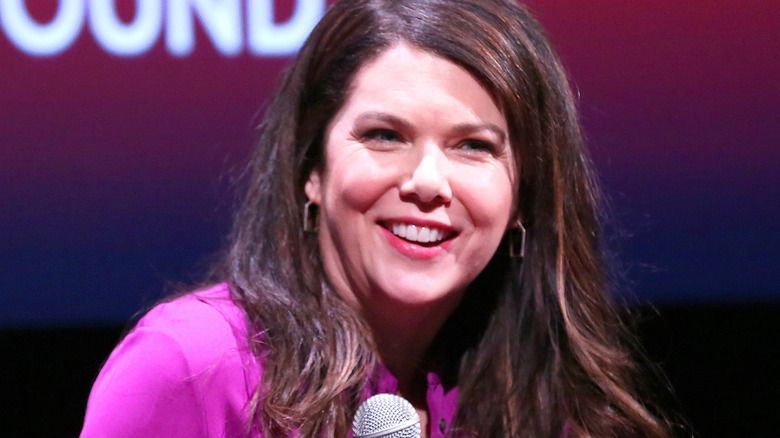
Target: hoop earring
point(517, 239)
point(310, 224)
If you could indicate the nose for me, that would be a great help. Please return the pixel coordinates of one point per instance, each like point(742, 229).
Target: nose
point(427, 181)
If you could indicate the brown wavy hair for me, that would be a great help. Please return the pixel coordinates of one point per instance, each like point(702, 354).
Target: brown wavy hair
point(541, 348)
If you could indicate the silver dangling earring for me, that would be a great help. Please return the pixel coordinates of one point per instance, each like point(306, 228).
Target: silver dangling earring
point(517, 238)
point(310, 224)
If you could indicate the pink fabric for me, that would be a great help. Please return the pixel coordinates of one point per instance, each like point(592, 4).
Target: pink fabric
point(186, 370)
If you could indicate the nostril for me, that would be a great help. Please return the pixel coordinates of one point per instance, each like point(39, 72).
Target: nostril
point(428, 180)
point(426, 205)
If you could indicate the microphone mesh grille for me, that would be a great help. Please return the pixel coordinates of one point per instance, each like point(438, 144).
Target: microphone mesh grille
point(382, 412)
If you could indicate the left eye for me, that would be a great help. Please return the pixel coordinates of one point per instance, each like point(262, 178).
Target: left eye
point(478, 145)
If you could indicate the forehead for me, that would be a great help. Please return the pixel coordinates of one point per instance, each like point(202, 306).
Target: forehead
point(406, 77)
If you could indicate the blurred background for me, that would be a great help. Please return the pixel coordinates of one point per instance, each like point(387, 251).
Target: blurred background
point(124, 123)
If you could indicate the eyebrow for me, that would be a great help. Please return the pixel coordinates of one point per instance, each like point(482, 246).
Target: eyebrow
point(460, 129)
point(384, 117)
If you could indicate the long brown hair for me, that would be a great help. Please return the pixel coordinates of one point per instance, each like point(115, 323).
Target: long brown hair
point(541, 346)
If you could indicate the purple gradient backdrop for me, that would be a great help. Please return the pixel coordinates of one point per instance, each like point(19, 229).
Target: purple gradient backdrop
point(116, 172)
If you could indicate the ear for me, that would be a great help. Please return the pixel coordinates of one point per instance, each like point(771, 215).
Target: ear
point(313, 187)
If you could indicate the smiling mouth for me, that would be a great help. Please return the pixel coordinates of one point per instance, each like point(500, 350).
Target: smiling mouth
point(419, 235)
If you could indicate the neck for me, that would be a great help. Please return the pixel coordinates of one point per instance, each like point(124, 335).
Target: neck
point(403, 336)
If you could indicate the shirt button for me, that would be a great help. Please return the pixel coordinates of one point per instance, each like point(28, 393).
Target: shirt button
point(442, 425)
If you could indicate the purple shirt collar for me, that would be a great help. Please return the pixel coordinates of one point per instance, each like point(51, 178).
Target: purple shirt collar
point(442, 401)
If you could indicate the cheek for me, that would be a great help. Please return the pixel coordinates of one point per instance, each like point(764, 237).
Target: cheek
point(356, 182)
point(487, 196)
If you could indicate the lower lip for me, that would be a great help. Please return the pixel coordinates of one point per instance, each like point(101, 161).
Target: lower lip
point(412, 250)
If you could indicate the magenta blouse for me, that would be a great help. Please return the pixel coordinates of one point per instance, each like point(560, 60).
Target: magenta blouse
point(186, 370)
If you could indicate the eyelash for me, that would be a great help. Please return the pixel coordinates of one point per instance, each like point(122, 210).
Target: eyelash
point(390, 135)
point(386, 135)
point(479, 145)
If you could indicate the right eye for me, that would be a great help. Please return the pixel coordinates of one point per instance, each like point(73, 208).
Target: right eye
point(385, 135)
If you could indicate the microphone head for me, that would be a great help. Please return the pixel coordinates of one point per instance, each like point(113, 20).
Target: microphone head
point(387, 416)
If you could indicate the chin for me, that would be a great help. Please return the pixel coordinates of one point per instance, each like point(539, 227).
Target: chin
point(418, 295)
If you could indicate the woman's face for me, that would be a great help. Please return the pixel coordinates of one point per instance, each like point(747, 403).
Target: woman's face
point(417, 186)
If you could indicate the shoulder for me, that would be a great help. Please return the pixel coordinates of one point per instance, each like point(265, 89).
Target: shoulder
point(206, 325)
point(206, 329)
point(186, 368)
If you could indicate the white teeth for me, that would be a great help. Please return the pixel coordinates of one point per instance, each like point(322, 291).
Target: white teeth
point(411, 233)
point(423, 234)
point(414, 233)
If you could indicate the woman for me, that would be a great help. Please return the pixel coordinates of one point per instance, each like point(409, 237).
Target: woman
point(421, 219)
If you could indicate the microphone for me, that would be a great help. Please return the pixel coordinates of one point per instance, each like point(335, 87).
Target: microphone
point(387, 416)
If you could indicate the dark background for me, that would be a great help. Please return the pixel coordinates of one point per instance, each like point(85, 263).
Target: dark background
point(116, 175)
